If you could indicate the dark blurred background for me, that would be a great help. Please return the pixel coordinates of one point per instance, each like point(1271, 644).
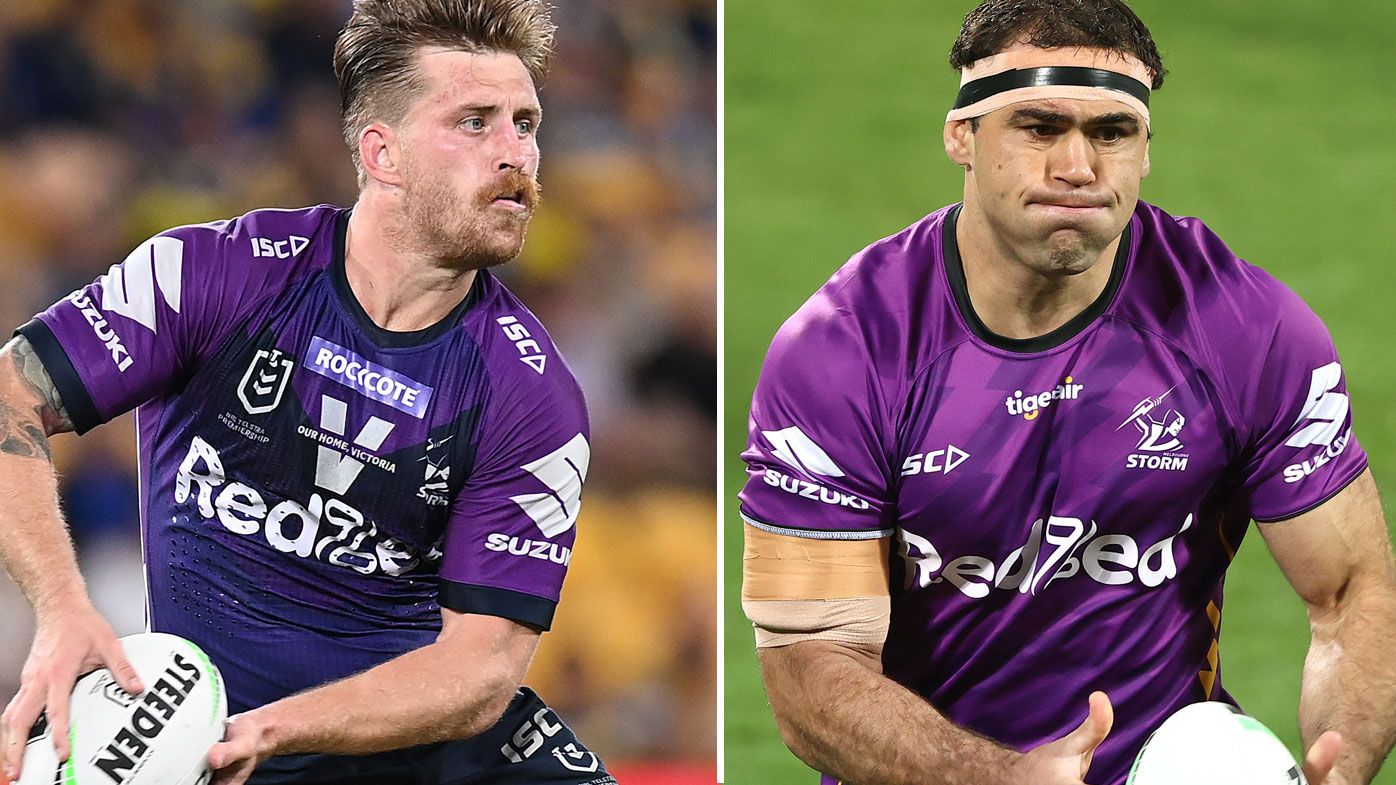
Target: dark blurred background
point(126, 117)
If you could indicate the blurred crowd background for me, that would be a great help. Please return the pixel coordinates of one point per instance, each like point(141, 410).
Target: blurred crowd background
point(127, 117)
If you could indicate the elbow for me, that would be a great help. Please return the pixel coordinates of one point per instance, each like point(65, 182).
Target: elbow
point(485, 704)
point(1360, 599)
point(794, 737)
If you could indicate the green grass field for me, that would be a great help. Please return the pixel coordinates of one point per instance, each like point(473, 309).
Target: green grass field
point(1274, 126)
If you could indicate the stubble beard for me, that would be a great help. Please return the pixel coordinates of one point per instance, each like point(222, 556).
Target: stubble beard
point(468, 231)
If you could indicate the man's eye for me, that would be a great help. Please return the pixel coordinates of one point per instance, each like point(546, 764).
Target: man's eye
point(473, 124)
point(525, 127)
point(1111, 134)
point(1042, 130)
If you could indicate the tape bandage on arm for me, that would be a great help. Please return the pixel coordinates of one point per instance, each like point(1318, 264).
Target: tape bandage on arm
point(796, 589)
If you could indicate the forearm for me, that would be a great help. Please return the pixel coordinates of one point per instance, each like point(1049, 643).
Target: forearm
point(34, 544)
point(1350, 679)
point(844, 718)
point(423, 696)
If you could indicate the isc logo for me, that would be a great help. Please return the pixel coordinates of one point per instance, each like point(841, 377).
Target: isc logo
point(279, 249)
point(529, 350)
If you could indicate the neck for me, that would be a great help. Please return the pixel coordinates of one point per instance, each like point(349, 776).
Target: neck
point(401, 287)
point(1014, 298)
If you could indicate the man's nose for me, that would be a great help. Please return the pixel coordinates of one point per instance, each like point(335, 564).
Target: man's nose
point(517, 152)
point(1073, 160)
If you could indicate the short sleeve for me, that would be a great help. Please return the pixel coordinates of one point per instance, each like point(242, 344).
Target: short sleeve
point(512, 526)
point(134, 332)
point(1301, 449)
point(819, 441)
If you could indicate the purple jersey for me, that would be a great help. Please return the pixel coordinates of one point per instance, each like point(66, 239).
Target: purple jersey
point(1064, 508)
point(315, 488)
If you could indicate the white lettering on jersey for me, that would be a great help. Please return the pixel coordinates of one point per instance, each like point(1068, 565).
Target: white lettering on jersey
point(1303, 469)
point(128, 289)
point(280, 249)
point(325, 529)
point(541, 550)
point(563, 471)
point(812, 490)
point(335, 471)
point(102, 330)
point(1029, 405)
point(531, 354)
point(1328, 408)
point(934, 462)
point(1049, 554)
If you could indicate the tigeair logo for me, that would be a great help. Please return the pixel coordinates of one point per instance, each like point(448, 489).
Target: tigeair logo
point(1058, 548)
point(367, 378)
point(792, 447)
point(1029, 405)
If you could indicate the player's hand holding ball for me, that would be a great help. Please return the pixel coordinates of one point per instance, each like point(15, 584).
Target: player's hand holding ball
point(243, 747)
point(1066, 760)
point(158, 737)
point(67, 644)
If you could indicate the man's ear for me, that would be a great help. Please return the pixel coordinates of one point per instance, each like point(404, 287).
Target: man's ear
point(381, 153)
point(959, 143)
point(1145, 170)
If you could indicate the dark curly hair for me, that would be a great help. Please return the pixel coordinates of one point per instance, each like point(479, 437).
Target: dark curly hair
point(997, 25)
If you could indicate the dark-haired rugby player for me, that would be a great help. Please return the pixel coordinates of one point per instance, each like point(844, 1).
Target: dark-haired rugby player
point(1057, 410)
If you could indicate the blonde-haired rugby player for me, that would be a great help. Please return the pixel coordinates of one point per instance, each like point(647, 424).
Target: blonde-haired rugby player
point(999, 464)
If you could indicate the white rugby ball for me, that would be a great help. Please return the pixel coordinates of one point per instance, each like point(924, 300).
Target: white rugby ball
point(160, 737)
point(1214, 743)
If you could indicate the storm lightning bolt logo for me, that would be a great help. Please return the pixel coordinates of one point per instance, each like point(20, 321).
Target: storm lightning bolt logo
point(1156, 435)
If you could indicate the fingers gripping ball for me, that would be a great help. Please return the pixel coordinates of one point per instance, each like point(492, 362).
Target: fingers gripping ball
point(160, 737)
point(1214, 744)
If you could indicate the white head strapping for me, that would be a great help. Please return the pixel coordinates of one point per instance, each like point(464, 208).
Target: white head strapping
point(1029, 73)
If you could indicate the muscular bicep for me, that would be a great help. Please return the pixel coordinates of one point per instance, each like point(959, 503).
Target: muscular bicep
point(31, 408)
point(1342, 544)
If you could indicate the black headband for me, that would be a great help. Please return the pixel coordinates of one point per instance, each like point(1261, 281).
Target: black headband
point(1069, 75)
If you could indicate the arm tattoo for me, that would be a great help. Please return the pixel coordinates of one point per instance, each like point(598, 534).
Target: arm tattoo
point(20, 435)
point(17, 437)
point(31, 370)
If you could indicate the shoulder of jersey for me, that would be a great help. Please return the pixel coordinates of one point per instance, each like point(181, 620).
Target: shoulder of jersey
point(262, 247)
point(1181, 263)
point(517, 347)
point(863, 312)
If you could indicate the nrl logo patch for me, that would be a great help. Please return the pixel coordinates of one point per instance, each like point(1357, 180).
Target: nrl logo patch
point(265, 381)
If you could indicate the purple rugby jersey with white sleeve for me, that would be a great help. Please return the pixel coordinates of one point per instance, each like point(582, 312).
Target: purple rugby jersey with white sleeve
point(315, 488)
point(1063, 509)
